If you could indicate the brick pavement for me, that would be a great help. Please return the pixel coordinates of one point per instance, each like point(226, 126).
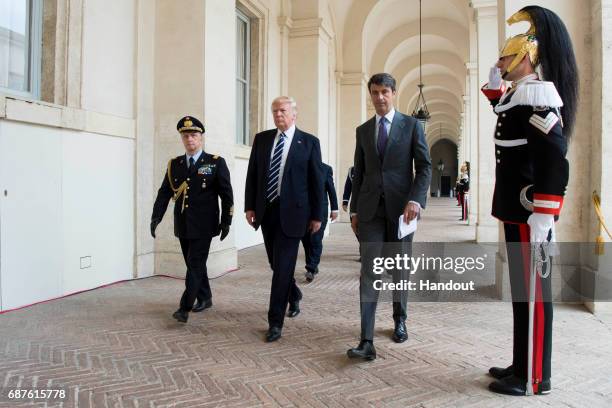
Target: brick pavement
point(119, 347)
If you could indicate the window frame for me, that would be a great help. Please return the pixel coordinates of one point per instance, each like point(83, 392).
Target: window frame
point(34, 18)
point(245, 140)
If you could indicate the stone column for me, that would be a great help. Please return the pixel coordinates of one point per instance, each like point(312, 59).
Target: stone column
point(309, 77)
point(594, 280)
point(146, 183)
point(471, 102)
point(195, 75)
point(285, 24)
point(353, 95)
point(485, 16)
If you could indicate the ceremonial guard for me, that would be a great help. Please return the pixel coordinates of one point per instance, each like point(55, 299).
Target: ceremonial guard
point(535, 120)
point(463, 188)
point(195, 181)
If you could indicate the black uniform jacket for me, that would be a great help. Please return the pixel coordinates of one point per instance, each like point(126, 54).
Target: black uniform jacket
point(196, 210)
point(530, 150)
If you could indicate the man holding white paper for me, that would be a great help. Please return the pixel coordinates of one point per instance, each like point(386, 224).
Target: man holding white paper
point(388, 147)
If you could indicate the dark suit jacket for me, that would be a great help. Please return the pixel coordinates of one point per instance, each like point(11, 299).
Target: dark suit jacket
point(394, 176)
point(329, 190)
point(348, 186)
point(302, 184)
point(207, 182)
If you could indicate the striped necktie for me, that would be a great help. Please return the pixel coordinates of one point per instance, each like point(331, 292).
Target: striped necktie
point(274, 172)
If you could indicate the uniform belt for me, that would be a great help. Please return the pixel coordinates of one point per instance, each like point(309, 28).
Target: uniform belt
point(510, 143)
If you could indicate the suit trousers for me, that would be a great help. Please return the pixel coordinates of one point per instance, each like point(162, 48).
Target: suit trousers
point(519, 260)
point(378, 238)
point(313, 247)
point(195, 253)
point(282, 253)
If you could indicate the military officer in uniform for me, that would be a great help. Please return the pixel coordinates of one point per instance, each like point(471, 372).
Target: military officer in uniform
point(195, 181)
point(535, 120)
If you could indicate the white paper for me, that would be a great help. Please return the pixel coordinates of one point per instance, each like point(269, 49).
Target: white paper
point(406, 229)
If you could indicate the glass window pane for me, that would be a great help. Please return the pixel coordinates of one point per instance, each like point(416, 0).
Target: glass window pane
point(14, 45)
point(239, 112)
point(240, 38)
point(242, 77)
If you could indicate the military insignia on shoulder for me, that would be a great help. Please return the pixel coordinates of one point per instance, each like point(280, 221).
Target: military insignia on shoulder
point(215, 157)
point(544, 125)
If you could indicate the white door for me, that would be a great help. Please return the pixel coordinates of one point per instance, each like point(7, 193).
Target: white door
point(30, 214)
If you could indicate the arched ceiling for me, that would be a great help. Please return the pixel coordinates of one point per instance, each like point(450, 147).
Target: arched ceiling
point(383, 36)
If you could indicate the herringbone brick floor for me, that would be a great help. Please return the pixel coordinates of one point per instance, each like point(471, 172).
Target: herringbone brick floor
point(119, 347)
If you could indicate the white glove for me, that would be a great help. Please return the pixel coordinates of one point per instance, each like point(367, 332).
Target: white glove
point(495, 78)
point(540, 225)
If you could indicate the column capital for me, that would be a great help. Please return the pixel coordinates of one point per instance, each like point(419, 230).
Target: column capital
point(285, 22)
point(484, 8)
point(478, 4)
point(471, 67)
point(353, 78)
point(311, 27)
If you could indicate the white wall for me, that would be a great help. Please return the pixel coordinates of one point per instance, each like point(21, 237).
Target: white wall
point(108, 60)
point(69, 195)
point(244, 234)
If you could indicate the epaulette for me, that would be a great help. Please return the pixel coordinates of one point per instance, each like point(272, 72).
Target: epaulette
point(534, 93)
point(215, 157)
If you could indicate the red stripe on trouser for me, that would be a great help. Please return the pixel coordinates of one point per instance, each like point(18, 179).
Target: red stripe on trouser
point(538, 319)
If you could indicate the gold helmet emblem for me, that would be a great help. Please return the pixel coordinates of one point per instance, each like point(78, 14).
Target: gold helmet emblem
point(522, 44)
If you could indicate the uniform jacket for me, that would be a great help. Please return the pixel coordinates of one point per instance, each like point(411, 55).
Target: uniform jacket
point(394, 176)
point(530, 150)
point(196, 210)
point(301, 194)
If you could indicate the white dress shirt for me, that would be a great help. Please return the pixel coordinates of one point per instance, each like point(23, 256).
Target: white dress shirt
point(289, 137)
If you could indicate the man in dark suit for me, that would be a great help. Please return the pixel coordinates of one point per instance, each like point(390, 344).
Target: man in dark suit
point(388, 147)
point(313, 243)
point(195, 181)
point(284, 192)
point(348, 187)
point(346, 198)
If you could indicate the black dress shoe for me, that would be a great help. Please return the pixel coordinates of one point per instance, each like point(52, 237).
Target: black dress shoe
point(294, 309)
point(499, 373)
point(274, 333)
point(400, 334)
point(364, 350)
point(181, 316)
point(202, 305)
point(309, 276)
point(512, 385)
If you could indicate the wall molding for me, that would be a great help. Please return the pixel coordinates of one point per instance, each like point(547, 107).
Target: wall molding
point(47, 114)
